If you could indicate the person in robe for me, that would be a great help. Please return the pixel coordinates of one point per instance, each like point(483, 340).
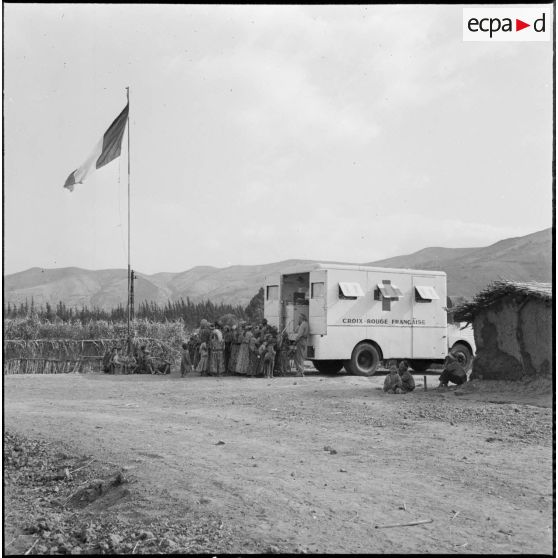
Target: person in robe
point(301, 344)
point(243, 360)
point(203, 361)
point(237, 332)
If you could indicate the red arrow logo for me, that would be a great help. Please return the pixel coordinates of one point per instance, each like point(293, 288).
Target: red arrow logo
point(519, 25)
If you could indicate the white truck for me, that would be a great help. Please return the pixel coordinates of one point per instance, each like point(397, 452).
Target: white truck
point(359, 316)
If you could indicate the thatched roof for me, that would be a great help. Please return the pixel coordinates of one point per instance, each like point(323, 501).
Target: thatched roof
point(495, 291)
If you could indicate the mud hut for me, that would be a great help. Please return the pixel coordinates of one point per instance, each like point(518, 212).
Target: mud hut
point(512, 324)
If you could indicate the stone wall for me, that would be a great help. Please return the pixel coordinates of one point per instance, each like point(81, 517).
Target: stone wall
point(514, 339)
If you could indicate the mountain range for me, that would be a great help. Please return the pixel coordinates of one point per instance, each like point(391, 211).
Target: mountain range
point(526, 258)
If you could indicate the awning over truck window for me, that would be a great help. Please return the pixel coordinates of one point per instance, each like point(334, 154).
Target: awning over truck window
point(390, 291)
point(426, 292)
point(351, 289)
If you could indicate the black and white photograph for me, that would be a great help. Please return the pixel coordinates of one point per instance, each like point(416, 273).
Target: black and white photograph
point(278, 279)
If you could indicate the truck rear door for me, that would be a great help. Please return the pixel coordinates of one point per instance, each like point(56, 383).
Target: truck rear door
point(317, 318)
point(272, 300)
point(428, 300)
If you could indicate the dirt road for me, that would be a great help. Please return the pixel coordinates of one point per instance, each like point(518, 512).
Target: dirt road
point(313, 464)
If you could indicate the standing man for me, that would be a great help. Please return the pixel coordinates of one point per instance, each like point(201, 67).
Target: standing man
point(301, 343)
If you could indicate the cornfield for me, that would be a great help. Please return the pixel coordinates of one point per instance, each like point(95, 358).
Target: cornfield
point(32, 346)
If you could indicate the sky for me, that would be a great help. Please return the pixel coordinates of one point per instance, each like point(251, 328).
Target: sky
point(264, 133)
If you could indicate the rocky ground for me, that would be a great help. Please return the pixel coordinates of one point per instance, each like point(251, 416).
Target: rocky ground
point(57, 503)
point(101, 464)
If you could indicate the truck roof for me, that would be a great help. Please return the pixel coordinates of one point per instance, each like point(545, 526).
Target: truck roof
point(355, 267)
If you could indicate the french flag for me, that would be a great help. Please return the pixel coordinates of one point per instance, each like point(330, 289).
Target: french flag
point(107, 149)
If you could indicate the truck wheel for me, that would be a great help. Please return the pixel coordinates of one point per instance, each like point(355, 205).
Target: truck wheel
point(463, 355)
point(364, 360)
point(328, 366)
point(420, 365)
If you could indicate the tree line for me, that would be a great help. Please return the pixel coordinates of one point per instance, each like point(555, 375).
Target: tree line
point(190, 312)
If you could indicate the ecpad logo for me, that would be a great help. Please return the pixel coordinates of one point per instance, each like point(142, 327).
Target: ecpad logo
point(507, 24)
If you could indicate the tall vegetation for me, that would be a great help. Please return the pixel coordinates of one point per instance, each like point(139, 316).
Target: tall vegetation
point(33, 332)
point(188, 312)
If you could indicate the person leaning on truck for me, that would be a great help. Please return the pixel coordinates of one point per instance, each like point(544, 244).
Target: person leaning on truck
point(301, 343)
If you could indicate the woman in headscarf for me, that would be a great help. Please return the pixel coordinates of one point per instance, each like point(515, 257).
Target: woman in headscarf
point(243, 360)
point(204, 336)
point(193, 349)
point(202, 364)
point(237, 332)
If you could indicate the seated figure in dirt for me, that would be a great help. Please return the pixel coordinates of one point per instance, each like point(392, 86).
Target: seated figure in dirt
point(452, 372)
point(148, 364)
point(107, 359)
point(407, 380)
point(392, 382)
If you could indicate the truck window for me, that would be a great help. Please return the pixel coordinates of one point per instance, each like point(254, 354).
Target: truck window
point(273, 292)
point(317, 290)
point(350, 291)
point(425, 294)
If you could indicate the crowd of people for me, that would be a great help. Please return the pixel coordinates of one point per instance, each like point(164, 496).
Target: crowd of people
point(140, 361)
point(244, 349)
point(216, 350)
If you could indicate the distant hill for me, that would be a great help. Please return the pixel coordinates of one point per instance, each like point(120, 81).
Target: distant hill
point(527, 258)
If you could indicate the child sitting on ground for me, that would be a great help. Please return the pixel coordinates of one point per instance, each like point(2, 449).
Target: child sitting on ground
point(392, 383)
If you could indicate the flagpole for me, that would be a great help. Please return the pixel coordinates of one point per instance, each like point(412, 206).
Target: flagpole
point(129, 276)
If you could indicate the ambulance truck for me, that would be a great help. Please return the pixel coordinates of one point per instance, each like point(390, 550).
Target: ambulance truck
point(360, 316)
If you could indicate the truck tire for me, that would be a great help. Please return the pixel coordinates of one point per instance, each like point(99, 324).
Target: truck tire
point(463, 355)
point(420, 365)
point(364, 360)
point(328, 366)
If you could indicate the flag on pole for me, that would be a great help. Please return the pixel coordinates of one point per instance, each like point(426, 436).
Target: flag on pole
point(107, 149)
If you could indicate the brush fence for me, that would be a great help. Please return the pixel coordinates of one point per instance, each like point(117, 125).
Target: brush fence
point(67, 356)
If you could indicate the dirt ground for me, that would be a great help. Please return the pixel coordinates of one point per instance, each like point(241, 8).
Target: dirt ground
point(314, 464)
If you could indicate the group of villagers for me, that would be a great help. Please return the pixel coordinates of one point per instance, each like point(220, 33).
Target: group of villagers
point(244, 349)
point(400, 380)
point(140, 361)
